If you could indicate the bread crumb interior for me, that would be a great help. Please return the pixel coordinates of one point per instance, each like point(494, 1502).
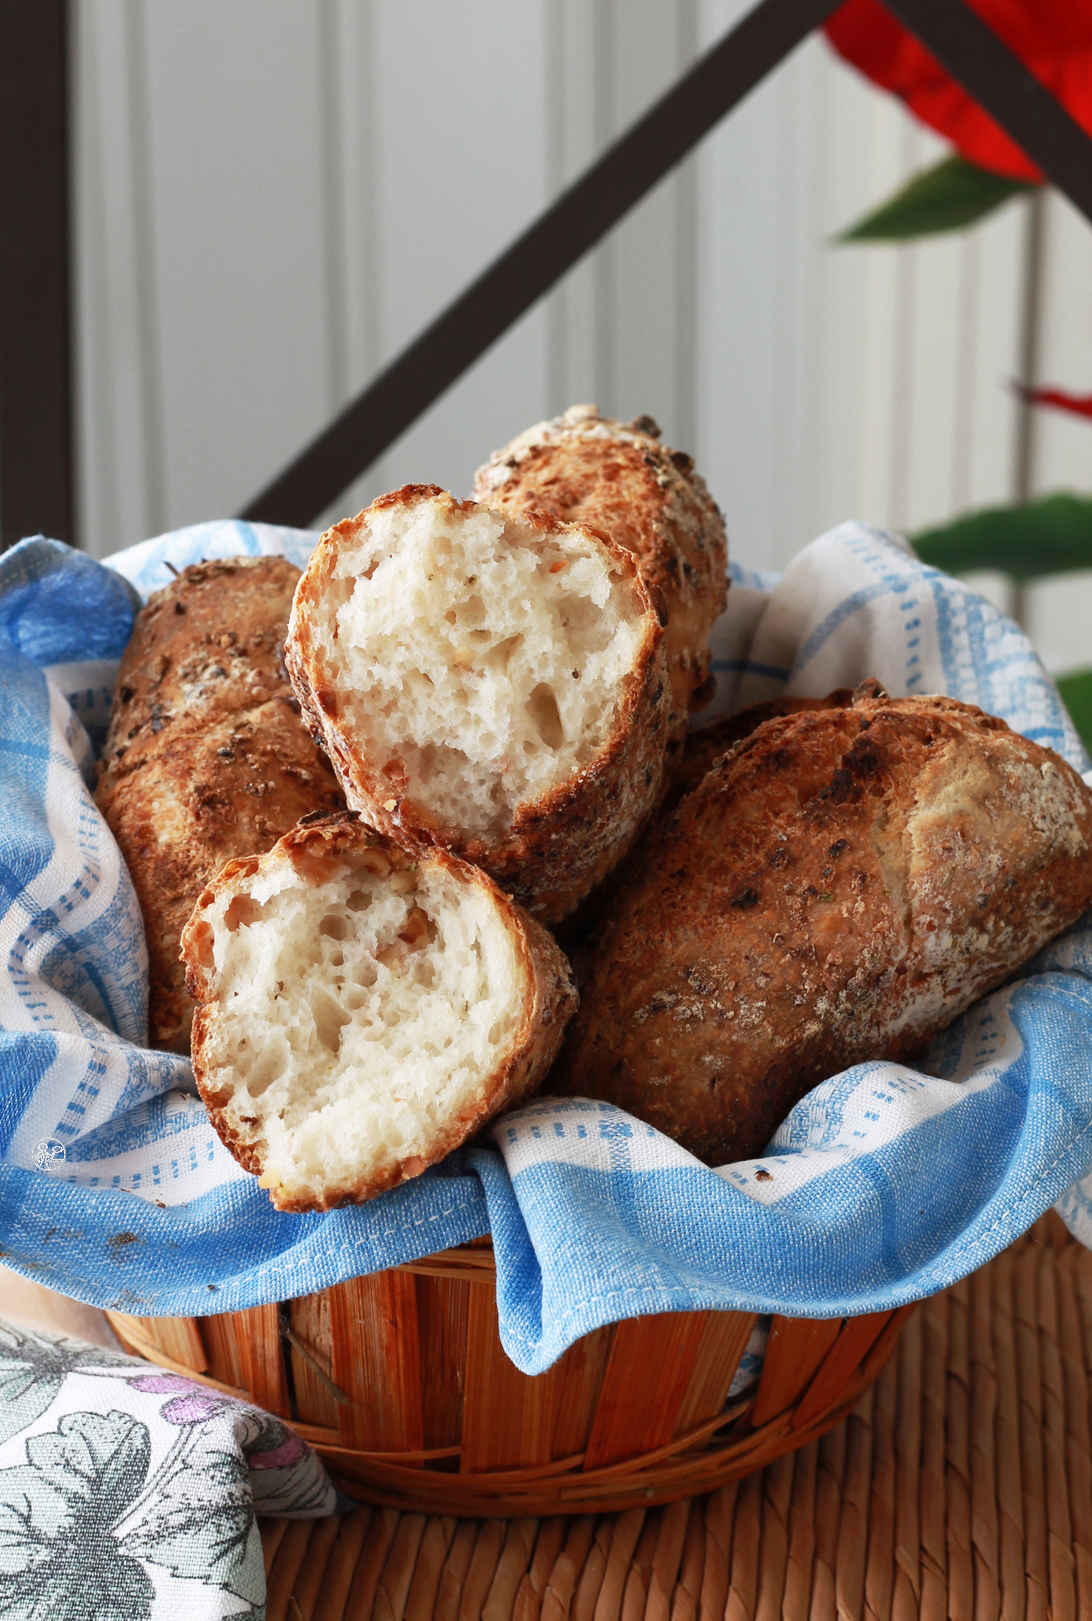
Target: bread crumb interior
point(357, 1016)
point(479, 660)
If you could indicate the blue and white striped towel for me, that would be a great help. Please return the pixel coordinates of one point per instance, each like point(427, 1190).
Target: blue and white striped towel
point(884, 1184)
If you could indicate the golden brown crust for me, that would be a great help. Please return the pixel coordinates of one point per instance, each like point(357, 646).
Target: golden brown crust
point(209, 643)
point(206, 755)
point(705, 745)
point(559, 846)
point(700, 751)
point(618, 478)
point(323, 848)
point(838, 888)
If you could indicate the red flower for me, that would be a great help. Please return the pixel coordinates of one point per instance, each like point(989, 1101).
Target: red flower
point(1060, 399)
point(1052, 37)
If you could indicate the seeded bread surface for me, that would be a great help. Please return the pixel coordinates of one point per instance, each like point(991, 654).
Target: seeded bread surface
point(839, 887)
point(206, 756)
point(705, 744)
point(586, 468)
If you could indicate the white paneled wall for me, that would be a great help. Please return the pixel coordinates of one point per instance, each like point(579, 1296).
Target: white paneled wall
point(273, 196)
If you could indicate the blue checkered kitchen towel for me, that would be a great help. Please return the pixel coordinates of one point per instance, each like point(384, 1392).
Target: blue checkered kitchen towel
point(884, 1184)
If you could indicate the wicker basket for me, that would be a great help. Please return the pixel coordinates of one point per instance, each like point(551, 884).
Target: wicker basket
point(400, 1382)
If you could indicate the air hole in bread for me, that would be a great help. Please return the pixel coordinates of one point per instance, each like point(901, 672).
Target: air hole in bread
point(499, 652)
point(242, 911)
point(330, 1017)
point(544, 713)
point(269, 1065)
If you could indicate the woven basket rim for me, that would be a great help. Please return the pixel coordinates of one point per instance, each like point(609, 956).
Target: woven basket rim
point(721, 1446)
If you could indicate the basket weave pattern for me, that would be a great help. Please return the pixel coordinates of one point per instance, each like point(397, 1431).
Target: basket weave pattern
point(399, 1380)
point(960, 1486)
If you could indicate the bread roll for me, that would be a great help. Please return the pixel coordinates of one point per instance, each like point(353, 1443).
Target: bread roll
point(206, 756)
point(363, 1012)
point(839, 888)
point(488, 684)
point(586, 468)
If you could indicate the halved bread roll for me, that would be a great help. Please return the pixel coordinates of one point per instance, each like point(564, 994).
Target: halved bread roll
point(492, 685)
point(363, 1012)
point(586, 468)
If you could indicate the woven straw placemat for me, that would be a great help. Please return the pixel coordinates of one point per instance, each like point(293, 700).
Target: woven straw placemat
point(960, 1487)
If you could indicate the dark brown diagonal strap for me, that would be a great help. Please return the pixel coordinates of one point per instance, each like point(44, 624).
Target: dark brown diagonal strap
point(35, 360)
point(997, 79)
point(537, 259)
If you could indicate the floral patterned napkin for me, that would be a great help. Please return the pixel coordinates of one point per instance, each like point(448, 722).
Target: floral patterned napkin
point(130, 1494)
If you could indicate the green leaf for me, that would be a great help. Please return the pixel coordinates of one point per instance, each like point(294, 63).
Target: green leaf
point(1052, 535)
point(199, 1520)
point(93, 1456)
point(34, 1366)
point(58, 1556)
point(948, 197)
point(1076, 691)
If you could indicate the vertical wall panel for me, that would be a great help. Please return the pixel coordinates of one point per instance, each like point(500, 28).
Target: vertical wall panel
point(1060, 610)
point(273, 196)
point(893, 148)
point(840, 381)
point(236, 153)
point(579, 122)
point(354, 247)
point(1064, 443)
point(649, 257)
point(456, 126)
point(200, 157)
point(739, 313)
point(934, 382)
point(120, 437)
point(999, 295)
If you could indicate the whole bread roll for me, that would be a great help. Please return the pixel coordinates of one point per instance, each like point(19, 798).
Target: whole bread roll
point(587, 468)
point(488, 684)
point(363, 1011)
point(206, 756)
point(838, 888)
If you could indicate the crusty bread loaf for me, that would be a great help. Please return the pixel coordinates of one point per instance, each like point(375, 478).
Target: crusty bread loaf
point(705, 744)
point(206, 757)
point(363, 1012)
point(840, 886)
point(586, 468)
point(488, 684)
